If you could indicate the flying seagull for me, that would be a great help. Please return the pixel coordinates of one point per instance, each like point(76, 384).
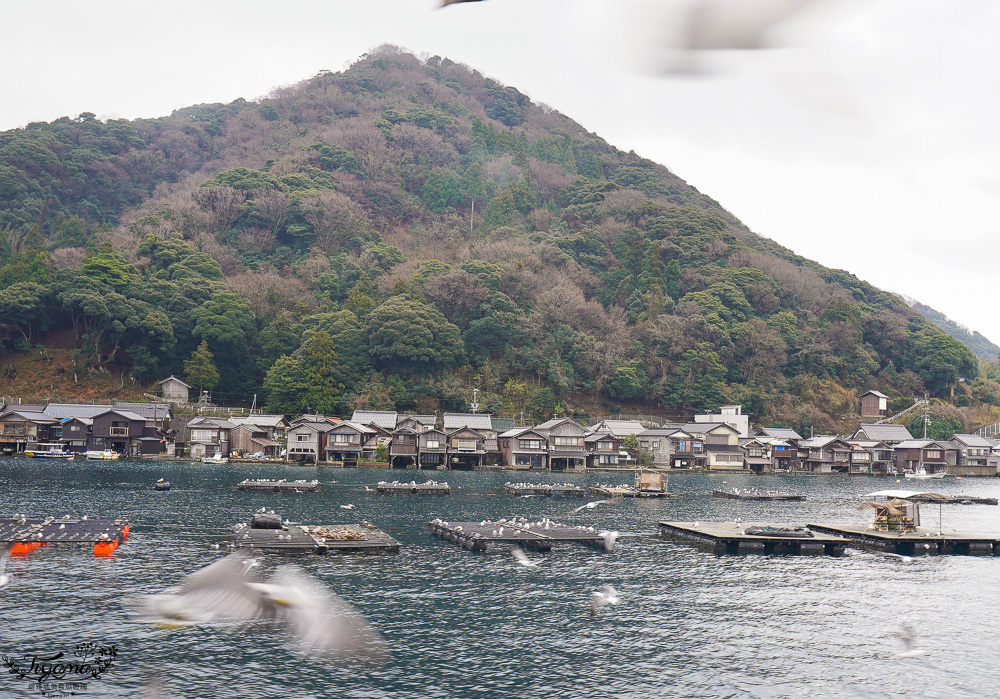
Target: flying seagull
point(348, 506)
point(607, 595)
point(323, 625)
point(610, 538)
point(595, 503)
point(523, 559)
point(909, 640)
point(4, 577)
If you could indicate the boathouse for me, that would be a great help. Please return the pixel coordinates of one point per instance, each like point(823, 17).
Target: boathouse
point(525, 447)
point(567, 448)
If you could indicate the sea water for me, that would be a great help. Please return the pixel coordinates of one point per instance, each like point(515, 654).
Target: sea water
point(460, 624)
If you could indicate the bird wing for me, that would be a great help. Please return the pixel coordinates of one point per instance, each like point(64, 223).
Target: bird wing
point(521, 557)
point(323, 624)
point(3, 560)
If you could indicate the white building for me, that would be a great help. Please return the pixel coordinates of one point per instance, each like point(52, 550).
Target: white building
point(731, 415)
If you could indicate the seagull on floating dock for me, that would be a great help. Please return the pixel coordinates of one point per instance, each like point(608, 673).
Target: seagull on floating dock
point(323, 625)
point(607, 595)
point(595, 503)
point(522, 558)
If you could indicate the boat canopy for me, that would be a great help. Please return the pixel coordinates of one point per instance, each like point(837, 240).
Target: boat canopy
point(903, 494)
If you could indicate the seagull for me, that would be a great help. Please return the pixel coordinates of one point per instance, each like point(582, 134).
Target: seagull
point(609, 540)
point(595, 503)
point(347, 507)
point(323, 625)
point(908, 638)
point(4, 577)
point(607, 595)
point(523, 559)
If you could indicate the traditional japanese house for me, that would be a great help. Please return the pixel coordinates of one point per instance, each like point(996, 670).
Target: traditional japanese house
point(871, 457)
point(273, 427)
point(466, 449)
point(874, 404)
point(481, 423)
point(925, 455)
point(719, 443)
point(417, 423)
point(525, 446)
point(619, 428)
point(124, 432)
point(174, 390)
point(349, 442)
point(567, 448)
point(207, 436)
point(76, 433)
point(973, 456)
point(307, 439)
point(385, 419)
point(825, 454)
point(602, 450)
point(890, 434)
point(403, 448)
point(247, 438)
point(432, 449)
point(22, 429)
point(780, 433)
point(657, 442)
point(757, 455)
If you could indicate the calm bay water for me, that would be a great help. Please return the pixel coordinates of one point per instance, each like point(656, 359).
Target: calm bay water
point(690, 624)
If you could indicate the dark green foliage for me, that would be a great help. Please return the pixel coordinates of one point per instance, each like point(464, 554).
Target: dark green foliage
point(331, 157)
point(245, 180)
point(412, 335)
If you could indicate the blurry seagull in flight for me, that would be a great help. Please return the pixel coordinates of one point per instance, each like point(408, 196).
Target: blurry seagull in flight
point(595, 503)
point(323, 625)
point(607, 595)
point(523, 559)
point(4, 577)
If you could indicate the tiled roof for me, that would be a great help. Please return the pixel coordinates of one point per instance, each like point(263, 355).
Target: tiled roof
point(146, 410)
point(259, 420)
point(63, 410)
point(478, 421)
point(973, 440)
point(620, 428)
point(385, 419)
point(884, 433)
point(175, 379)
point(780, 433)
point(875, 393)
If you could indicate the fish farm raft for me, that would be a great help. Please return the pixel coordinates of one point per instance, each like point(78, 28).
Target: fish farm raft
point(24, 535)
point(412, 488)
point(282, 486)
point(735, 537)
point(546, 489)
point(540, 535)
point(267, 532)
point(737, 494)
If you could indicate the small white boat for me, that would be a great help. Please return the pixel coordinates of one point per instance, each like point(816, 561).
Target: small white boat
point(105, 455)
point(217, 458)
point(49, 451)
point(922, 473)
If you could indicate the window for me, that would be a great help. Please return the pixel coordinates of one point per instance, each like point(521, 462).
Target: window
point(343, 439)
point(529, 443)
point(301, 438)
point(433, 444)
point(466, 444)
point(654, 445)
point(566, 441)
point(644, 444)
point(74, 428)
point(605, 446)
point(933, 454)
point(610, 459)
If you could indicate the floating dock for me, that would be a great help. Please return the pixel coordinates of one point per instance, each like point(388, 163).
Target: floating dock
point(546, 489)
point(627, 491)
point(755, 537)
point(23, 535)
point(282, 486)
point(540, 535)
point(737, 494)
point(321, 539)
point(922, 540)
point(412, 488)
point(935, 499)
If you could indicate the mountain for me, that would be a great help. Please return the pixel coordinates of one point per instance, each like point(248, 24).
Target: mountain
point(978, 343)
point(397, 234)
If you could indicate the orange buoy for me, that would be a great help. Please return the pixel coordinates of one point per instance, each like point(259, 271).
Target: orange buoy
point(104, 548)
point(21, 549)
point(124, 532)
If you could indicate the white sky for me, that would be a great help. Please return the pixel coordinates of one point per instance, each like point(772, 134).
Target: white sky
point(869, 144)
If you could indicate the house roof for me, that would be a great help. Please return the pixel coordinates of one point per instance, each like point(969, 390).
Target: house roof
point(127, 414)
point(174, 378)
point(619, 428)
point(357, 426)
point(33, 416)
point(820, 440)
point(220, 422)
point(515, 432)
point(63, 410)
point(922, 444)
point(780, 433)
point(259, 420)
point(477, 421)
point(84, 420)
point(598, 436)
point(884, 433)
point(555, 422)
point(874, 393)
point(147, 410)
point(972, 440)
point(386, 419)
point(420, 419)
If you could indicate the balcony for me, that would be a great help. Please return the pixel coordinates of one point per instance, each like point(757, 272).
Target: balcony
point(403, 449)
point(119, 432)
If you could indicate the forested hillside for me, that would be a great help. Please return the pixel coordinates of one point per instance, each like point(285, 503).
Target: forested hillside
point(396, 234)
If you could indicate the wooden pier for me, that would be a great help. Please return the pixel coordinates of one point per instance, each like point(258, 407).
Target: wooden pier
point(412, 488)
point(756, 537)
point(322, 539)
point(758, 495)
point(921, 540)
point(546, 489)
point(282, 486)
point(23, 535)
point(538, 535)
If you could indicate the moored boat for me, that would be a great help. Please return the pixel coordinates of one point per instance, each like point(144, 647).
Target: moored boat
point(49, 451)
point(217, 458)
point(107, 454)
point(922, 473)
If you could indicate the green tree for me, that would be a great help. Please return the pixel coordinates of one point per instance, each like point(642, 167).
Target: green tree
point(412, 335)
point(200, 369)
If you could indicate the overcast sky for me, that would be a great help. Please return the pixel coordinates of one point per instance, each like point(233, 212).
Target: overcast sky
point(868, 143)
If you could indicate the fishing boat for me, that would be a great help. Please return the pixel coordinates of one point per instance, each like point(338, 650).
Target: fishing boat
point(217, 458)
point(922, 473)
point(49, 451)
point(106, 455)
